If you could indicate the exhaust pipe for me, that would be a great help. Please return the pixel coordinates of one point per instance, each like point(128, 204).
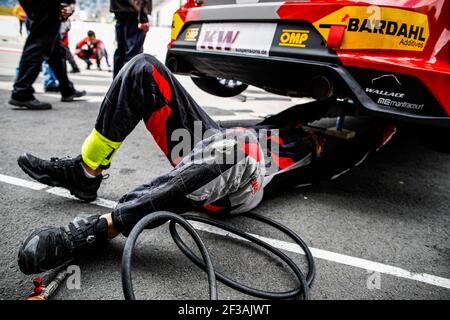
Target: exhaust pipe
point(172, 64)
point(321, 88)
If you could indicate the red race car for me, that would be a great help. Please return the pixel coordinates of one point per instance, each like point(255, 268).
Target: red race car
point(383, 58)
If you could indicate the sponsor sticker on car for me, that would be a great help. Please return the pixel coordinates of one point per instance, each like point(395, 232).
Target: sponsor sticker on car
point(399, 92)
point(293, 38)
point(374, 27)
point(191, 34)
point(242, 38)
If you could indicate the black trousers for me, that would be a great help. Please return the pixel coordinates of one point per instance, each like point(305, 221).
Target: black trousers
point(70, 58)
point(42, 43)
point(21, 23)
point(130, 39)
point(145, 90)
point(86, 54)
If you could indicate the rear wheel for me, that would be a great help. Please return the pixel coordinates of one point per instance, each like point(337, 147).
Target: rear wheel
point(219, 86)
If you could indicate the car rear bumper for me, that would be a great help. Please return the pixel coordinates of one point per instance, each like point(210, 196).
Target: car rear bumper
point(285, 75)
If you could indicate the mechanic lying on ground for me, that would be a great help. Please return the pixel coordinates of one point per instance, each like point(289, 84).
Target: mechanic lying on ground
point(146, 90)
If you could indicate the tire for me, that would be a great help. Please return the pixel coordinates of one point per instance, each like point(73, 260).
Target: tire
point(219, 86)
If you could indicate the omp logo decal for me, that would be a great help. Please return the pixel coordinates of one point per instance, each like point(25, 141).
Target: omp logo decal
point(191, 34)
point(390, 28)
point(293, 38)
point(219, 40)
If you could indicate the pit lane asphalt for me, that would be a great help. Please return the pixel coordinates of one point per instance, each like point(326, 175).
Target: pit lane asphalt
point(393, 209)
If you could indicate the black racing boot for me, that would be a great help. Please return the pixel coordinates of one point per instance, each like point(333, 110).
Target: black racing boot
point(76, 94)
point(50, 247)
point(33, 104)
point(62, 172)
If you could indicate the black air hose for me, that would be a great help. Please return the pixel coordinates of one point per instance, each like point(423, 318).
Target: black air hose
point(205, 262)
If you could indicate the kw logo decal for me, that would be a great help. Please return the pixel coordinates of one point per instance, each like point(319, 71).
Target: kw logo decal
point(219, 40)
point(191, 34)
point(293, 38)
point(383, 28)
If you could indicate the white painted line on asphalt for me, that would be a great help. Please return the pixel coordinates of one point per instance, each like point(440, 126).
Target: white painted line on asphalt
point(283, 245)
point(6, 85)
point(336, 257)
point(11, 49)
point(86, 98)
point(22, 183)
point(66, 194)
point(235, 117)
point(90, 78)
point(90, 88)
point(381, 268)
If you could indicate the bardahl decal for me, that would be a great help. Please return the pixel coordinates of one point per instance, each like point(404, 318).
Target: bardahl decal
point(378, 28)
point(293, 38)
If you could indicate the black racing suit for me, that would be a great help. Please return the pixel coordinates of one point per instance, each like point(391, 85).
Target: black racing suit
point(258, 164)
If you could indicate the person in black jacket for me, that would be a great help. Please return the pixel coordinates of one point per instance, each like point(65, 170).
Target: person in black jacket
point(131, 27)
point(43, 43)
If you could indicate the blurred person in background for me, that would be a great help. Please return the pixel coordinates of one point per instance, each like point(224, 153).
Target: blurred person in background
point(50, 82)
point(43, 43)
point(21, 16)
point(64, 33)
point(92, 48)
point(131, 27)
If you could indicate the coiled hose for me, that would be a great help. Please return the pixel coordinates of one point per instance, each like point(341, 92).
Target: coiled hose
point(205, 263)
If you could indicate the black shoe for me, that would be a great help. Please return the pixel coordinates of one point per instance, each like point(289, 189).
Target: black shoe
point(50, 247)
point(51, 89)
point(34, 104)
point(76, 94)
point(75, 71)
point(66, 172)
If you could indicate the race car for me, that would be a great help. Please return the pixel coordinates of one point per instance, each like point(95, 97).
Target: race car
point(382, 58)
